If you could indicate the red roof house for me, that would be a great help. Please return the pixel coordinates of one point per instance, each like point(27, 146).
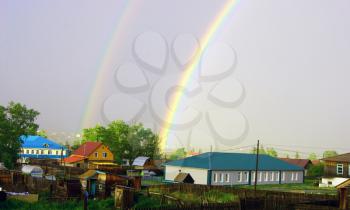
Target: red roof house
point(304, 163)
point(90, 152)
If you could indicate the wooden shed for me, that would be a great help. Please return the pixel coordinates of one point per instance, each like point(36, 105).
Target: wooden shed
point(184, 178)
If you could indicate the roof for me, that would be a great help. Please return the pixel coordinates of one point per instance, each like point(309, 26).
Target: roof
point(181, 177)
point(28, 169)
point(299, 162)
point(344, 184)
point(74, 158)
point(339, 158)
point(140, 161)
point(233, 161)
point(39, 142)
point(90, 173)
point(87, 148)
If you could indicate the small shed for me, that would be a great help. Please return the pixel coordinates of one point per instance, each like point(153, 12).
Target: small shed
point(343, 191)
point(184, 178)
point(34, 171)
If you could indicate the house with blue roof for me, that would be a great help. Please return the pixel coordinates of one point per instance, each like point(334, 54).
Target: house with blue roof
point(217, 168)
point(41, 148)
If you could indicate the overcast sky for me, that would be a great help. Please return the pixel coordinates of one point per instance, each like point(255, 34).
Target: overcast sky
point(288, 76)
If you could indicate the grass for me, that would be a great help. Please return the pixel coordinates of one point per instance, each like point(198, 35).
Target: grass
point(213, 196)
point(144, 201)
point(50, 205)
point(307, 186)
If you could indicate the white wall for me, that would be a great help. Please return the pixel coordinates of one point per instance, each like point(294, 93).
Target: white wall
point(332, 182)
point(199, 175)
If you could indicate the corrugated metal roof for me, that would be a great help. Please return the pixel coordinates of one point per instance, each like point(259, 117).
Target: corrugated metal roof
point(339, 158)
point(39, 142)
point(233, 161)
point(28, 169)
point(299, 162)
point(140, 161)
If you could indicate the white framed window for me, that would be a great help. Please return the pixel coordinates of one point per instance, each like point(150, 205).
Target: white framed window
point(246, 176)
point(227, 177)
point(239, 176)
point(283, 176)
point(340, 169)
point(292, 177)
point(104, 154)
point(96, 154)
point(349, 170)
point(27, 151)
point(221, 177)
point(266, 176)
point(32, 151)
point(56, 152)
point(215, 177)
point(253, 176)
point(296, 176)
point(272, 178)
point(277, 176)
point(260, 176)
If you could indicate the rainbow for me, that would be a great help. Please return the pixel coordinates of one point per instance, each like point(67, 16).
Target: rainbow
point(190, 69)
point(128, 9)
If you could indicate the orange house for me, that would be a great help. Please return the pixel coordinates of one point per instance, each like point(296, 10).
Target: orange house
point(89, 154)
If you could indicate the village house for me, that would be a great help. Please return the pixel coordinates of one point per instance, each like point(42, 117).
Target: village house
point(303, 163)
point(336, 170)
point(216, 168)
point(90, 155)
point(41, 148)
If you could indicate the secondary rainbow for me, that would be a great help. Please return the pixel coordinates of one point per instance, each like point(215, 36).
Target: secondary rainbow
point(127, 13)
point(190, 69)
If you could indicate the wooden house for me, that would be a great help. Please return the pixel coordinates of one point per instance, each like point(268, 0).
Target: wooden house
point(303, 163)
point(89, 154)
point(336, 170)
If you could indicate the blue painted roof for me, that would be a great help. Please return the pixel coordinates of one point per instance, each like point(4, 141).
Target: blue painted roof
point(233, 161)
point(39, 142)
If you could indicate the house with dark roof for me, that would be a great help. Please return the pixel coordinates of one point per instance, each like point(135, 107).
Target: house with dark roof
point(336, 170)
point(41, 148)
point(303, 163)
point(90, 154)
point(217, 168)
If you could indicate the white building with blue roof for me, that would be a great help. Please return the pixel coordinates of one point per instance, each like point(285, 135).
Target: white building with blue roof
point(41, 148)
point(217, 168)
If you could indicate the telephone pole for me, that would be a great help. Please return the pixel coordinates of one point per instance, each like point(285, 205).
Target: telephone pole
point(256, 167)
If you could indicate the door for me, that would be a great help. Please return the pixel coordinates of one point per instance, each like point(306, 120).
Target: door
point(92, 187)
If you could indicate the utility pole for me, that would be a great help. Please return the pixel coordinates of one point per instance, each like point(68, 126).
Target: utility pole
point(256, 167)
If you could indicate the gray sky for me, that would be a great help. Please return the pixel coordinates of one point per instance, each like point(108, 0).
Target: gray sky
point(292, 61)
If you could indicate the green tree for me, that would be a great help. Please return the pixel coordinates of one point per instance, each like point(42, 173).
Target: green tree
point(297, 156)
point(178, 154)
point(329, 153)
point(312, 156)
point(42, 133)
point(124, 140)
point(15, 120)
point(268, 151)
point(316, 170)
point(271, 151)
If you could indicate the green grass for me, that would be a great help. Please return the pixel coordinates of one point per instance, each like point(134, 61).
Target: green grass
point(213, 196)
point(149, 202)
point(50, 205)
point(307, 186)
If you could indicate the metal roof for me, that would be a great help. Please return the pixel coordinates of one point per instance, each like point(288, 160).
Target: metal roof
point(28, 169)
point(140, 161)
point(233, 161)
point(39, 142)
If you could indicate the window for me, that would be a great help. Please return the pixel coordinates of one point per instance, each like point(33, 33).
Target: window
point(272, 176)
point(96, 154)
point(221, 177)
point(27, 151)
point(283, 176)
point(37, 152)
point(339, 168)
point(292, 178)
point(349, 170)
point(296, 176)
point(32, 151)
point(56, 152)
point(104, 154)
point(260, 176)
point(41, 151)
point(253, 176)
point(227, 177)
point(49, 152)
point(215, 177)
point(266, 176)
point(239, 176)
point(277, 176)
point(246, 176)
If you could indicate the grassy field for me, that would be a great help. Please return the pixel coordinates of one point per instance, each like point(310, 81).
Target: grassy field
point(307, 187)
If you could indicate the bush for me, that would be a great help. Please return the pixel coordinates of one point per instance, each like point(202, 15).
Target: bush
point(316, 170)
